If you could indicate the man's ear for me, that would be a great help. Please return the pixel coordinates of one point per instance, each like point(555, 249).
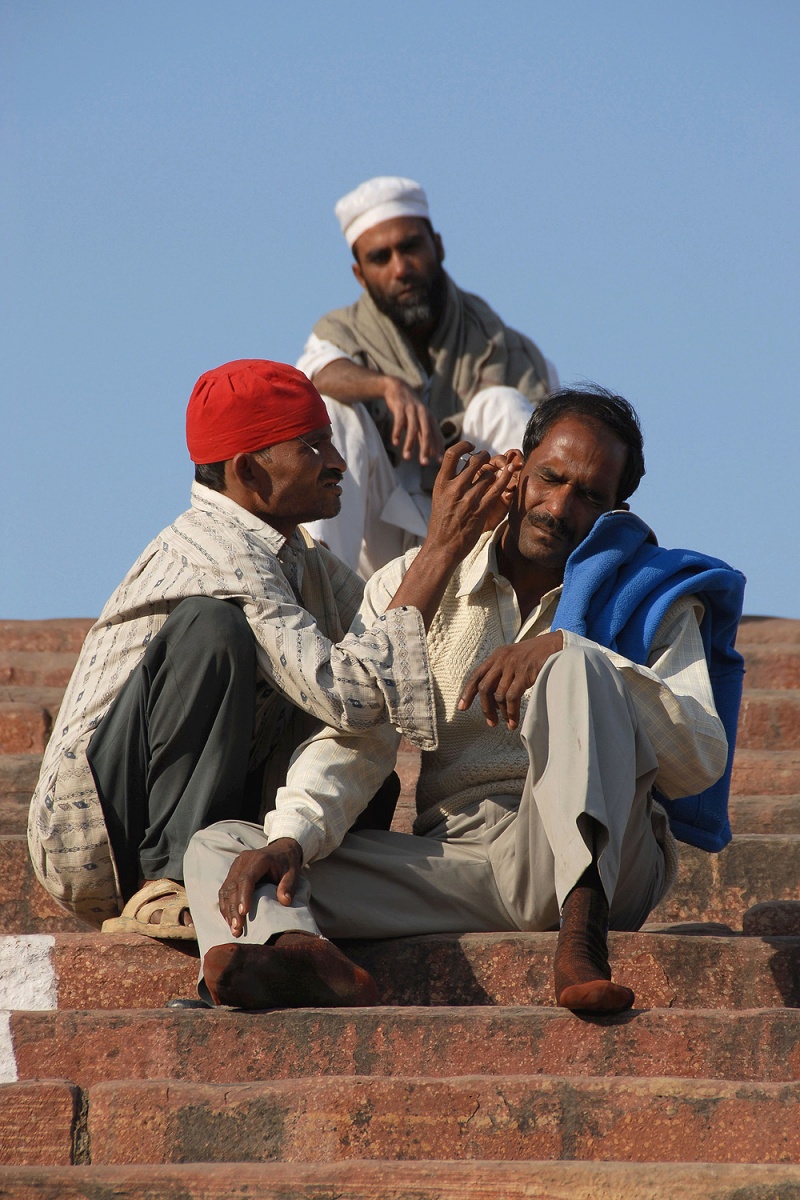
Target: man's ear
point(358, 273)
point(439, 244)
point(241, 468)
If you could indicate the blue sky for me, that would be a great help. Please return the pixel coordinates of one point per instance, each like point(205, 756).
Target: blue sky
point(619, 180)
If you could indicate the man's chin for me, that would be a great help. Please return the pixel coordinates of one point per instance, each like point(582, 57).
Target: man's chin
point(325, 512)
point(550, 557)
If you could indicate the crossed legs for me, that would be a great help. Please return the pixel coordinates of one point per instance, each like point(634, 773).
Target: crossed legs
point(579, 850)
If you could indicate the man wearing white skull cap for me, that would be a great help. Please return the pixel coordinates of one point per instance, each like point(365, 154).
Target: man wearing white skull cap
point(414, 363)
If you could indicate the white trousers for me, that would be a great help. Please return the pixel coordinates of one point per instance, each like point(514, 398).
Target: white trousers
point(504, 863)
point(384, 510)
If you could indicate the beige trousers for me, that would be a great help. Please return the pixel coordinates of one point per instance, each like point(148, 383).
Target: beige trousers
point(503, 864)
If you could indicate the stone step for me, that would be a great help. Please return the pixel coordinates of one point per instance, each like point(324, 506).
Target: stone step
point(381, 1180)
point(765, 630)
point(38, 1122)
point(765, 814)
point(228, 1046)
point(505, 1118)
point(61, 635)
point(26, 718)
point(721, 887)
point(698, 968)
point(710, 887)
point(772, 665)
point(18, 776)
point(765, 772)
point(769, 720)
point(25, 907)
point(38, 668)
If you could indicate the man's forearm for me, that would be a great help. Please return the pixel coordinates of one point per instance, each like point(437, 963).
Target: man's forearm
point(350, 383)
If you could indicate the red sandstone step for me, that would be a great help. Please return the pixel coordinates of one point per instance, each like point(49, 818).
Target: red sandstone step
point(696, 969)
point(710, 887)
point(765, 772)
point(761, 630)
point(721, 887)
point(214, 1046)
point(62, 635)
point(769, 720)
point(765, 814)
point(506, 1118)
point(26, 718)
point(25, 907)
point(38, 1123)
point(36, 668)
point(371, 1180)
point(18, 775)
point(772, 665)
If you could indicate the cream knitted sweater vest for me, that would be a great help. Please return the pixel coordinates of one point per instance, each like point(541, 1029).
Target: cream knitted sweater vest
point(472, 761)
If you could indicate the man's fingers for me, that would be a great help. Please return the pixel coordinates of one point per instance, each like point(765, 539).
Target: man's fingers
point(430, 438)
point(287, 885)
point(399, 418)
point(412, 432)
point(488, 704)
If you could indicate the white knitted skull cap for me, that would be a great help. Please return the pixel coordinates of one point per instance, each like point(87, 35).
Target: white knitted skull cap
point(379, 199)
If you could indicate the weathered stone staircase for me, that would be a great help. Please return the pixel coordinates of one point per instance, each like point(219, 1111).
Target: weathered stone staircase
point(466, 1082)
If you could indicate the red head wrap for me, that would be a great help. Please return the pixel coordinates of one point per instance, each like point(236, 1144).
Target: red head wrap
point(248, 404)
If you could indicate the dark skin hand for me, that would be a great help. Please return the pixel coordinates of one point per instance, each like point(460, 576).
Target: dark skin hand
point(503, 678)
point(280, 862)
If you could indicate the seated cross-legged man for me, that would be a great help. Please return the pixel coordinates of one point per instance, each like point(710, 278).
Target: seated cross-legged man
point(413, 361)
point(586, 691)
point(224, 646)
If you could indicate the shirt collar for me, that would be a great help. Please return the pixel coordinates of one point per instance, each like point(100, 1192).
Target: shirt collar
point(483, 564)
point(205, 499)
point(483, 567)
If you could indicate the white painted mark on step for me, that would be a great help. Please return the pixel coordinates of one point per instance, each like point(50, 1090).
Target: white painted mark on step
point(8, 1059)
point(27, 975)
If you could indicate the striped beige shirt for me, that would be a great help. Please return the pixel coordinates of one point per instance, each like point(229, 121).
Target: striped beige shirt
point(352, 681)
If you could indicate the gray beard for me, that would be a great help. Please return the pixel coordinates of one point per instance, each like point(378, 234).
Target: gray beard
point(411, 313)
point(424, 308)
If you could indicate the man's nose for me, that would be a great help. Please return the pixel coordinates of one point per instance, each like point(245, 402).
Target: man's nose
point(333, 459)
point(559, 502)
point(400, 264)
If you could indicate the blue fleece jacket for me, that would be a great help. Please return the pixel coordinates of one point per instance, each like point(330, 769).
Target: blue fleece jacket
point(618, 584)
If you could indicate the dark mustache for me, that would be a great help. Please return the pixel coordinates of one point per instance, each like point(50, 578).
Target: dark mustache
point(331, 475)
point(553, 524)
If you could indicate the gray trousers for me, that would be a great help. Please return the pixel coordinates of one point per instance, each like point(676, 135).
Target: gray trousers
point(503, 864)
point(171, 754)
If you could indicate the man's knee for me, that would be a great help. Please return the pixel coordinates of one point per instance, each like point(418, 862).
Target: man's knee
point(217, 628)
point(585, 662)
point(225, 837)
point(578, 677)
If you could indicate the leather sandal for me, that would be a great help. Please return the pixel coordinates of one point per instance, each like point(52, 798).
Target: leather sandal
point(157, 895)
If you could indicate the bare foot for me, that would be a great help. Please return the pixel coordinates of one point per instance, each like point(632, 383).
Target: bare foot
point(582, 973)
point(298, 970)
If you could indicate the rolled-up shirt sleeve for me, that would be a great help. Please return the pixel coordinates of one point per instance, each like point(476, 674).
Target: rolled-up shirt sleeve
point(318, 353)
point(333, 775)
point(673, 699)
point(375, 673)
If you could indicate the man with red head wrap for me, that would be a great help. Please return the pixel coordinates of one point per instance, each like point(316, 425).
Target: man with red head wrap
point(223, 646)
